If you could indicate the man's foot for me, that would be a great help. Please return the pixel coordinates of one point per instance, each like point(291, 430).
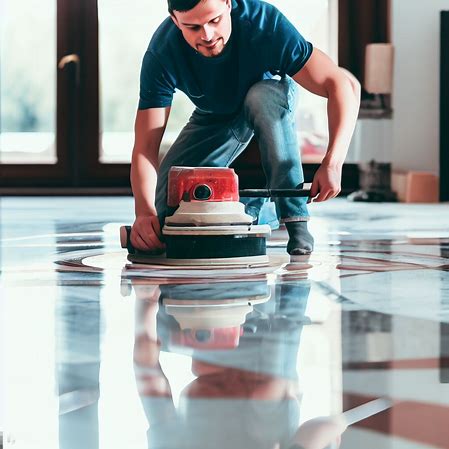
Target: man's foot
point(300, 240)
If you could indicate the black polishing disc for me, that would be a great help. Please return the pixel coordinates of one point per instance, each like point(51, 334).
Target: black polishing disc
point(215, 246)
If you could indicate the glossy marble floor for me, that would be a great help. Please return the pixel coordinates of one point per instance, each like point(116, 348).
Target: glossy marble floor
point(101, 355)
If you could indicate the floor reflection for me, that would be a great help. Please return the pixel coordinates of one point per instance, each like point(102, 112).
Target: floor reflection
point(102, 354)
point(243, 347)
point(77, 360)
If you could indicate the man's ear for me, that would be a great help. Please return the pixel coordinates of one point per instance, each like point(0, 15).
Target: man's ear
point(175, 20)
point(229, 4)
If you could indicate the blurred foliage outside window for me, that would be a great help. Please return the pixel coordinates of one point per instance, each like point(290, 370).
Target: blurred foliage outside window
point(27, 81)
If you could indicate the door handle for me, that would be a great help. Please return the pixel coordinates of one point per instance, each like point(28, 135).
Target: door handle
point(71, 59)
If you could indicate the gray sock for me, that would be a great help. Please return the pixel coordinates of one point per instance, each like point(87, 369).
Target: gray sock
point(300, 240)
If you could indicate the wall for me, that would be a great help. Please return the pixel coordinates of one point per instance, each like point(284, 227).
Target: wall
point(411, 139)
point(416, 36)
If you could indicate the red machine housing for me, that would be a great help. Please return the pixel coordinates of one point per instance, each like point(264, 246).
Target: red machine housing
point(184, 182)
point(219, 338)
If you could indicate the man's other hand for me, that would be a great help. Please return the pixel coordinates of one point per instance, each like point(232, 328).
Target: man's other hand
point(326, 183)
point(146, 234)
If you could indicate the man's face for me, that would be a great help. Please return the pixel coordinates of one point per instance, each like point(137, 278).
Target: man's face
point(207, 27)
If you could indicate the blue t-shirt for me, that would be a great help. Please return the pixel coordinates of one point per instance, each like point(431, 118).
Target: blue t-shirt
point(263, 43)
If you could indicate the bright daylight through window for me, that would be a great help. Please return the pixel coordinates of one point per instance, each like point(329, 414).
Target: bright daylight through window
point(27, 81)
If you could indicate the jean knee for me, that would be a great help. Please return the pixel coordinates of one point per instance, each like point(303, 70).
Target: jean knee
point(269, 100)
point(255, 99)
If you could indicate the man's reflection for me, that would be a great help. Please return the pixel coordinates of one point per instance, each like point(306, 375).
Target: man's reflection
point(244, 349)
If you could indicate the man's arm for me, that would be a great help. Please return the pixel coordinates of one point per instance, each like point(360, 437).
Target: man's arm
point(322, 77)
point(149, 128)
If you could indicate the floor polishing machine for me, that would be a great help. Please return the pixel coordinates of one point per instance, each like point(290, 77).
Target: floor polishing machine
point(209, 225)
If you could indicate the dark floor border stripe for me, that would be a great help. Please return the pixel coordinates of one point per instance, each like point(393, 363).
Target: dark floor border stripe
point(415, 421)
point(406, 364)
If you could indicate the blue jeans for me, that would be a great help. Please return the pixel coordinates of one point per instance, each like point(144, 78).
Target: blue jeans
point(207, 140)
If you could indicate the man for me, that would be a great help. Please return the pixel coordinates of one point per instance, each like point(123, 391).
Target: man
point(239, 61)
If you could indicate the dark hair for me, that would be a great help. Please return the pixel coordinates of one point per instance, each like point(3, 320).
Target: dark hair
point(181, 5)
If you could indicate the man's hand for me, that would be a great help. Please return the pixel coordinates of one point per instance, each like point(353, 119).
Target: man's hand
point(326, 183)
point(146, 233)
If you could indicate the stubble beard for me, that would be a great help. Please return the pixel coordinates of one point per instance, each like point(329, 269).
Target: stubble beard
point(214, 51)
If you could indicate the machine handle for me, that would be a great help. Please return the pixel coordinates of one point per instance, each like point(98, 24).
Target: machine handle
point(274, 193)
point(125, 242)
point(125, 239)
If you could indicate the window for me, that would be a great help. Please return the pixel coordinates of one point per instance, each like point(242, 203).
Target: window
point(125, 29)
point(28, 82)
point(73, 127)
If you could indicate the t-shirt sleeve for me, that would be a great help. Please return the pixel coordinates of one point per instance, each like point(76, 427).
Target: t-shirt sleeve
point(156, 86)
point(289, 50)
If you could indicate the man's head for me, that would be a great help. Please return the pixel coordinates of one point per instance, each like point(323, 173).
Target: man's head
point(205, 24)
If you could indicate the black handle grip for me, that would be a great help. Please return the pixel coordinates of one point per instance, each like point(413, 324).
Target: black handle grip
point(125, 239)
point(274, 193)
